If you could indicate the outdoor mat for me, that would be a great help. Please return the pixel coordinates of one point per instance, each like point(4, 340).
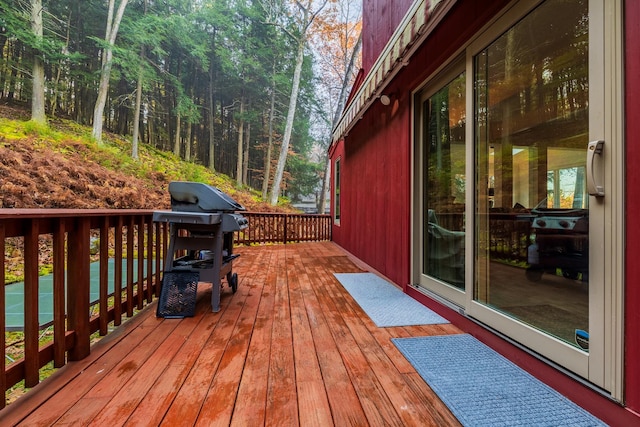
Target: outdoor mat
point(384, 303)
point(482, 388)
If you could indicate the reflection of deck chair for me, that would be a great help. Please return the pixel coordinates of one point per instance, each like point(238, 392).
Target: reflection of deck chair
point(446, 251)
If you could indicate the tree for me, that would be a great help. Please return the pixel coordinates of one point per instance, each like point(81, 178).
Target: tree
point(138, 102)
point(342, 99)
point(113, 24)
point(38, 86)
point(337, 42)
point(305, 18)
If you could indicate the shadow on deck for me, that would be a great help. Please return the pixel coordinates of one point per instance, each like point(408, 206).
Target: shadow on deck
point(290, 347)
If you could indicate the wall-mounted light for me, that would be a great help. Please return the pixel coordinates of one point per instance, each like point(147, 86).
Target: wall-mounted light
point(385, 99)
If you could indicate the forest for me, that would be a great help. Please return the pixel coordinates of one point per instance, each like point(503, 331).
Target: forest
point(248, 88)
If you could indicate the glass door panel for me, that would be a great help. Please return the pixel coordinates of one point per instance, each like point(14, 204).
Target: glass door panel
point(532, 214)
point(444, 181)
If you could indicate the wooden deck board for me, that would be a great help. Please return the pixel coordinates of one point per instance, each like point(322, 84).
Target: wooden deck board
point(313, 405)
point(281, 393)
point(252, 393)
point(290, 347)
point(341, 394)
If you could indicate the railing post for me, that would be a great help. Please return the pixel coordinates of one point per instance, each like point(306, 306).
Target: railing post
point(78, 288)
point(285, 228)
point(59, 312)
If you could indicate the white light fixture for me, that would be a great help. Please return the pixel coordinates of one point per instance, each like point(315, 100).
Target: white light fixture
point(385, 100)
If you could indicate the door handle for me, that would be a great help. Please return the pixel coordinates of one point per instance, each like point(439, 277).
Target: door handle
point(595, 189)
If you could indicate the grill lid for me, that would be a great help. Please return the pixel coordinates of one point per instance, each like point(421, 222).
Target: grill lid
point(189, 196)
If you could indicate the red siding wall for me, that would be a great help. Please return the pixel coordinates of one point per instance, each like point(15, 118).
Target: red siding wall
point(380, 18)
point(632, 273)
point(375, 187)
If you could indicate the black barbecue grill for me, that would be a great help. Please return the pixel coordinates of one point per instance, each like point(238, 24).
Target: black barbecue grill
point(561, 242)
point(202, 221)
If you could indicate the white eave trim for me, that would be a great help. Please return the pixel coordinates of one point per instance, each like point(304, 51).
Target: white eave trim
point(420, 20)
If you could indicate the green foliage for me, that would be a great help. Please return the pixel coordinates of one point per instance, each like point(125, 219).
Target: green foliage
point(185, 54)
point(307, 177)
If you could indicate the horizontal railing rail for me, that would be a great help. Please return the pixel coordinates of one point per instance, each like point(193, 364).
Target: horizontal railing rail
point(105, 264)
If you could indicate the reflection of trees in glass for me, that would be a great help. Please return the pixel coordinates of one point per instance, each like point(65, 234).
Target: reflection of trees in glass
point(532, 91)
point(445, 117)
point(439, 148)
point(538, 71)
point(565, 188)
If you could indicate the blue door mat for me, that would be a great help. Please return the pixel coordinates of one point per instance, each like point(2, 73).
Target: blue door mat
point(384, 303)
point(482, 388)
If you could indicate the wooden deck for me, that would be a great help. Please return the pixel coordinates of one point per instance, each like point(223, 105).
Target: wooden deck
point(289, 348)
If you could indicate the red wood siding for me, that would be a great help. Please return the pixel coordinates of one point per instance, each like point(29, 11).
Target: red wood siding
point(375, 191)
point(632, 273)
point(379, 20)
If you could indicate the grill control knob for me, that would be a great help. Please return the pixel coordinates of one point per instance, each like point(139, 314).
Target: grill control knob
point(564, 223)
point(541, 222)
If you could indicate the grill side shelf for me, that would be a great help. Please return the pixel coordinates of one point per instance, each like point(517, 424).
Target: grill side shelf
point(187, 217)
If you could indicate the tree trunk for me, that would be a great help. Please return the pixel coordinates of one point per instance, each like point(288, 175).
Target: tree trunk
point(212, 156)
point(187, 142)
point(245, 157)
point(136, 118)
point(301, 40)
point(37, 95)
point(267, 157)
point(240, 142)
point(105, 73)
point(176, 143)
point(284, 149)
point(138, 106)
point(13, 75)
point(54, 97)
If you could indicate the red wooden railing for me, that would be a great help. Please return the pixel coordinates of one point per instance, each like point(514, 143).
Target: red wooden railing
point(66, 237)
point(284, 228)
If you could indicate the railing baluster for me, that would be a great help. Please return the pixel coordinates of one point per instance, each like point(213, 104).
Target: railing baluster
point(59, 317)
point(104, 275)
point(140, 294)
point(149, 258)
point(129, 303)
point(156, 271)
point(117, 274)
point(3, 322)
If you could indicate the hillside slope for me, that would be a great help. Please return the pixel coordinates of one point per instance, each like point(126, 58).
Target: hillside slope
point(60, 167)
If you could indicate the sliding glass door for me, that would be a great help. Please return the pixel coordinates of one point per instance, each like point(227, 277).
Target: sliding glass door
point(515, 156)
point(443, 192)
